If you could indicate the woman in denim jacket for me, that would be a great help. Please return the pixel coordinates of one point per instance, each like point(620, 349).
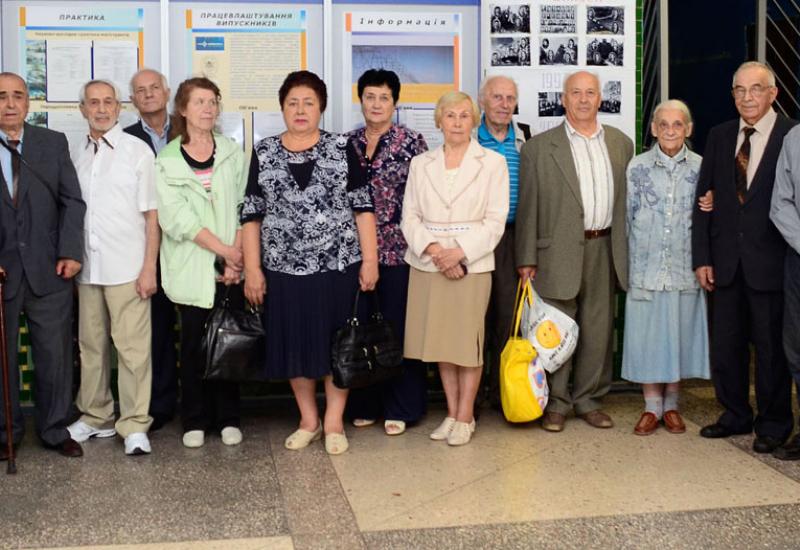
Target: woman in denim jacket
point(666, 336)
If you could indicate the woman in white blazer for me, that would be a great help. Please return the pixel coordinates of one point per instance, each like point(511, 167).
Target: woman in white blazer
point(454, 213)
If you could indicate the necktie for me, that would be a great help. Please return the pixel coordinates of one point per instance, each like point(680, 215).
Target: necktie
point(742, 159)
point(14, 143)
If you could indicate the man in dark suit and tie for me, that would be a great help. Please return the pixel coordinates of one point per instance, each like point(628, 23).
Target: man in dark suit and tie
point(738, 256)
point(41, 224)
point(150, 94)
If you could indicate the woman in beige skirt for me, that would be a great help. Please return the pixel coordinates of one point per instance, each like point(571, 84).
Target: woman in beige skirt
point(454, 213)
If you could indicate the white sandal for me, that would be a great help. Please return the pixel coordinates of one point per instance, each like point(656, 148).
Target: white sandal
point(363, 422)
point(394, 427)
point(302, 438)
point(336, 444)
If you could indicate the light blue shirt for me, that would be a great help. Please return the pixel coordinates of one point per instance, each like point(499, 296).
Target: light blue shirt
point(507, 148)
point(785, 209)
point(5, 161)
point(661, 194)
point(159, 142)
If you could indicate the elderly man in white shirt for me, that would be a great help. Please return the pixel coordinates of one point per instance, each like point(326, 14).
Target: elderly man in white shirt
point(121, 239)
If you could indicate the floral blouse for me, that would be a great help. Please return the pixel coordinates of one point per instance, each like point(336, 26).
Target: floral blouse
point(387, 172)
point(306, 227)
point(659, 210)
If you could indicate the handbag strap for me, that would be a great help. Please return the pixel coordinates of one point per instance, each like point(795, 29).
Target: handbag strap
point(524, 292)
point(377, 315)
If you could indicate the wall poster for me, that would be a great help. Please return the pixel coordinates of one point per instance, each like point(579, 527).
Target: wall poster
point(539, 44)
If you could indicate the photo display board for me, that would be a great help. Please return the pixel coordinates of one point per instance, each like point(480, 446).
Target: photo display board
point(539, 44)
point(247, 49)
point(58, 46)
point(432, 48)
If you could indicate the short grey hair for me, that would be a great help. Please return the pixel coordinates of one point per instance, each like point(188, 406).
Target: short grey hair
point(755, 65)
point(164, 83)
point(7, 74)
point(676, 104)
point(82, 93)
point(494, 78)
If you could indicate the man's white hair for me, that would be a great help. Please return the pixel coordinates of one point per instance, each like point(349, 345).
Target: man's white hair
point(489, 80)
point(755, 65)
point(82, 93)
point(164, 83)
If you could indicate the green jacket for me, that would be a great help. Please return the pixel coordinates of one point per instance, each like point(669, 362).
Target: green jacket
point(184, 208)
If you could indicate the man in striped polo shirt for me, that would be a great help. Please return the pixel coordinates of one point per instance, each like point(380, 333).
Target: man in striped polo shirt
point(499, 132)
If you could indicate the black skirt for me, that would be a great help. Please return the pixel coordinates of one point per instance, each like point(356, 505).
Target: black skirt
point(301, 315)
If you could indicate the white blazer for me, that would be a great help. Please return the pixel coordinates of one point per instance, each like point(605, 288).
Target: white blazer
point(470, 214)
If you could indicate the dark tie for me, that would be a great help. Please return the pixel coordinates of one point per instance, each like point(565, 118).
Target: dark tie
point(742, 160)
point(14, 143)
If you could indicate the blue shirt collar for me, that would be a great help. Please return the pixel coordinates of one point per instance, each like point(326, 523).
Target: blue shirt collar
point(486, 135)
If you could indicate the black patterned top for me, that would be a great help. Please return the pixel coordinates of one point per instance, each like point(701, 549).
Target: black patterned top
point(306, 227)
point(386, 173)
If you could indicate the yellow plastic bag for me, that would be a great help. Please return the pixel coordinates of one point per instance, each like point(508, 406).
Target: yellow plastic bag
point(519, 402)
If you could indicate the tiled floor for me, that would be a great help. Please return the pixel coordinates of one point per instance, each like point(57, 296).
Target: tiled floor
point(512, 487)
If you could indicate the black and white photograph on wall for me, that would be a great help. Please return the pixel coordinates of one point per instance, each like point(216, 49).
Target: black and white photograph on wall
point(605, 20)
point(612, 97)
point(511, 52)
point(558, 50)
point(557, 19)
point(550, 104)
point(604, 52)
point(515, 18)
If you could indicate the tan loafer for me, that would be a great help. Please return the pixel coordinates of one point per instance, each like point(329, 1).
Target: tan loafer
point(301, 439)
point(553, 422)
point(598, 419)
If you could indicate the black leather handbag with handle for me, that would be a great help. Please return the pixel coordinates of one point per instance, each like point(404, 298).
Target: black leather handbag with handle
point(365, 353)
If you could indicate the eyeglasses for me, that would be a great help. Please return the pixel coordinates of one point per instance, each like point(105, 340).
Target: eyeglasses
point(756, 90)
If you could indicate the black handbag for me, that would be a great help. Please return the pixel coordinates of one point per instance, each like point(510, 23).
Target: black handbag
point(233, 343)
point(365, 354)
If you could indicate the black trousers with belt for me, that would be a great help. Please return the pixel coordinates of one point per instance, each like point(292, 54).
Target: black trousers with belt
point(742, 315)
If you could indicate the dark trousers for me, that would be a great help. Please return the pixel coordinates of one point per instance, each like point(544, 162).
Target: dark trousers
point(791, 315)
point(500, 313)
point(742, 315)
point(405, 397)
point(50, 328)
point(164, 395)
point(205, 404)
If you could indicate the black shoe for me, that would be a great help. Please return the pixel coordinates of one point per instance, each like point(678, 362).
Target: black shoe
point(790, 451)
point(159, 421)
point(70, 448)
point(717, 430)
point(766, 444)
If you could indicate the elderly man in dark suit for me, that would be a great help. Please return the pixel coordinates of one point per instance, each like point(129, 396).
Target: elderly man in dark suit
point(738, 256)
point(570, 237)
point(41, 222)
point(150, 94)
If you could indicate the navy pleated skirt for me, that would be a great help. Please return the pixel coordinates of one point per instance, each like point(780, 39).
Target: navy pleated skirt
point(301, 315)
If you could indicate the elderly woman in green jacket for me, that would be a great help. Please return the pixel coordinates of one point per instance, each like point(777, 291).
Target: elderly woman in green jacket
point(200, 185)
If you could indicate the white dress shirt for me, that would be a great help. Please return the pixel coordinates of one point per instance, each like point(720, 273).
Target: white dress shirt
point(758, 141)
point(595, 176)
point(118, 184)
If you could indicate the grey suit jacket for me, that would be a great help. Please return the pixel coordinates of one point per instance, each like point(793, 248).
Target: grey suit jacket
point(549, 225)
point(47, 222)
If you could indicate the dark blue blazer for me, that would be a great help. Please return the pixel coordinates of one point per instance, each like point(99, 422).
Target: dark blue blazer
point(739, 233)
point(47, 222)
point(137, 130)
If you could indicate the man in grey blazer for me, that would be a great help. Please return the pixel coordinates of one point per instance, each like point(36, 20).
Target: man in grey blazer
point(570, 239)
point(41, 236)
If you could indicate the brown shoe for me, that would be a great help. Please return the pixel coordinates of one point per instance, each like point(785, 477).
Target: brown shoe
point(673, 422)
point(70, 448)
point(598, 419)
point(647, 424)
point(553, 422)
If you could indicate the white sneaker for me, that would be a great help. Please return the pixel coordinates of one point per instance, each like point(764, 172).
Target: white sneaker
point(194, 439)
point(231, 435)
point(81, 431)
point(137, 444)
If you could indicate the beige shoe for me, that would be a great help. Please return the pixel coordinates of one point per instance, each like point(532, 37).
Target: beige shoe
point(441, 433)
point(461, 433)
point(231, 435)
point(394, 427)
point(194, 439)
point(363, 422)
point(301, 439)
point(336, 444)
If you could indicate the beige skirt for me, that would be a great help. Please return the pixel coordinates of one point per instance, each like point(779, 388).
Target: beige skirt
point(445, 318)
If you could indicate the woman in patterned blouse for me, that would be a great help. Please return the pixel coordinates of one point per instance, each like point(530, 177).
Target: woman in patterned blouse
point(384, 151)
point(303, 243)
